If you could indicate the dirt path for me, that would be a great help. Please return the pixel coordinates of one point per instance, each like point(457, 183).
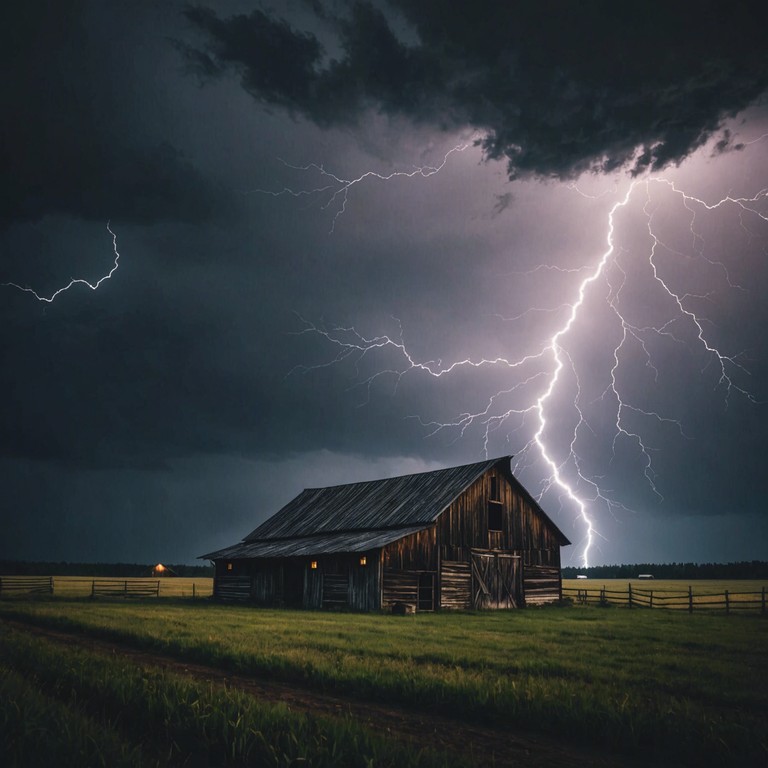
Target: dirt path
point(501, 748)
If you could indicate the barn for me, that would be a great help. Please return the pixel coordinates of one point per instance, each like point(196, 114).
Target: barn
point(457, 538)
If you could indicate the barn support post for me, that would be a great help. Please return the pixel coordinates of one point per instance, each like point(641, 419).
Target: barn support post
point(690, 599)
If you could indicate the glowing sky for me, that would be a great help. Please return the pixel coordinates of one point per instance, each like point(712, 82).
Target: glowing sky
point(169, 411)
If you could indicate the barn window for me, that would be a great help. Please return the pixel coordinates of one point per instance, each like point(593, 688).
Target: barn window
point(229, 566)
point(495, 516)
point(494, 492)
point(363, 559)
point(313, 565)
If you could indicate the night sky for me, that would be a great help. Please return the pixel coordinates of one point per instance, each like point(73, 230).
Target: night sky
point(352, 238)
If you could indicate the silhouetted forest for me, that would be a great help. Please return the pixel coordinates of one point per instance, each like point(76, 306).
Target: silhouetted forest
point(752, 569)
point(123, 570)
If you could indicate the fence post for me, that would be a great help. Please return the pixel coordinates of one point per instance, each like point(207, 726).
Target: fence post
point(93, 589)
point(602, 595)
point(629, 585)
point(651, 603)
point(727, 603)
point(125, 587)
point(690, 599)
point(193, 591)
point(762, 602)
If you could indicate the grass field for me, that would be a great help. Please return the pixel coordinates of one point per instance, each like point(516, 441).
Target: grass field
point(676, 688)
point(71, 707)
point(177, 586)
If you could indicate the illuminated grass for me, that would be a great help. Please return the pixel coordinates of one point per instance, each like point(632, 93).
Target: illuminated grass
point(690, 688)
point(177, 586)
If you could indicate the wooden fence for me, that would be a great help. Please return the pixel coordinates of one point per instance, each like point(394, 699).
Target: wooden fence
point(26, 585)
point(634, 597)
point(125, 588)
point(82, 586)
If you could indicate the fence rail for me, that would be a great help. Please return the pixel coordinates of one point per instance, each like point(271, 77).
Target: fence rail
point(125, 588)
point(633, 597)
point(27, 585)
point(89, 586)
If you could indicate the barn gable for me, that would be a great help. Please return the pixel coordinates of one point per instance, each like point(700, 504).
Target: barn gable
point(467, 536)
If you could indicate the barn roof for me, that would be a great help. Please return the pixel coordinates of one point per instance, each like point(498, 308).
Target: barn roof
point(361, 516)
point(308, 546)
point(407, 500)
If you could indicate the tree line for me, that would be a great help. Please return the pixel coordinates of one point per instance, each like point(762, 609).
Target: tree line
point(119, 570)
point(747, 569)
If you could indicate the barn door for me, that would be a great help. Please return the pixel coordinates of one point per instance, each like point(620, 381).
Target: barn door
point(495, 580)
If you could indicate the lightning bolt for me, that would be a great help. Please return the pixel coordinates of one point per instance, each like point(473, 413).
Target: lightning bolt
point(336, 189)
point(539, 377)
point(74, 280)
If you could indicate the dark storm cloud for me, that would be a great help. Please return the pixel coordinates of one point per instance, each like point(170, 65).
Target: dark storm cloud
point(68, 142)
point(556, 87)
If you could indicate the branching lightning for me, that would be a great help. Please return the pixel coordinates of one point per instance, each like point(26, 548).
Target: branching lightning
point(336, 189)
point(75, 280)
point(537, 378)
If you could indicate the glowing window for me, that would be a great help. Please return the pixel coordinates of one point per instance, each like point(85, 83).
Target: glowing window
point(313, 565)
point(229, 566)
point(363, 560)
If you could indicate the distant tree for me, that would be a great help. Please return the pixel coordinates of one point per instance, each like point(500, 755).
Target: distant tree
point(752, 569)
point(117, 570)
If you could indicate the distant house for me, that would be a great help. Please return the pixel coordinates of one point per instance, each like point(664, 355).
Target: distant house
point(463, 537)
point(163, 570)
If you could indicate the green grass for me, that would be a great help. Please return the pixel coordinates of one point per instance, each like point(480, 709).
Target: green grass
point(36, 729)
point(66, 706)
point(690, 689)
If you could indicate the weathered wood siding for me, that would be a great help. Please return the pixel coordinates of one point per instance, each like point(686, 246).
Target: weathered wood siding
point(232, 588)
point(313, 588)
point(400, 587)
point(456, 581)
point(541, 584)
point(410, 571)
point(464, 525)
point(365, 583)
point(417, 552)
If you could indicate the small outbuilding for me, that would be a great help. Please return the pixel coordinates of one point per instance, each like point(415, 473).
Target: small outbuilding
point(458, 538)
point(163, 570)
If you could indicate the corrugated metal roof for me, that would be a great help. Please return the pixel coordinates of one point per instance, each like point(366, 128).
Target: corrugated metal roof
point(307, 546)
point(395, 502)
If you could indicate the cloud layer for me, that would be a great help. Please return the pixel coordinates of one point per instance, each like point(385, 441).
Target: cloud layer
point(68, 143)
point(557, 88)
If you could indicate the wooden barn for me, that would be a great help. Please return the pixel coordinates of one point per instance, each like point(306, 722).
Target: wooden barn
point(463, 537)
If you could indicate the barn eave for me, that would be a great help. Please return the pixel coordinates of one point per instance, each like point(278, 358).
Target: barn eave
point(311, 546)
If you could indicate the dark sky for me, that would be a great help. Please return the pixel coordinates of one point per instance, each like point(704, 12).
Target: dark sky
point(320, 208)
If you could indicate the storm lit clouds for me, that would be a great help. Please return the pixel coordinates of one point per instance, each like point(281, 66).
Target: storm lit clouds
point(171, 397)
